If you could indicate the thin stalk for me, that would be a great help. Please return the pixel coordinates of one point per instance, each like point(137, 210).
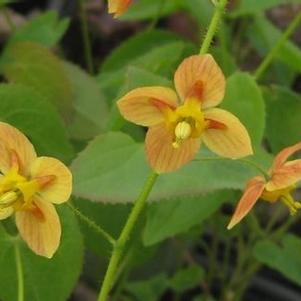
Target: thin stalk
point(86, 36)
point(255, 226)
point(219, 11)
point(273, 52)
point(124, 237)
point(92, 225)
point(19, 273)
point(274, 219)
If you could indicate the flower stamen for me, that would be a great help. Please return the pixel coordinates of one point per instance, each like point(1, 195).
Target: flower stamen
point(182, 132)
point(292, 205)
point(8, 199)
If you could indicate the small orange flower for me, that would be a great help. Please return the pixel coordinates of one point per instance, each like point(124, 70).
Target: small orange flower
point(118, 7)
point(283, 177)
point(176, 128)
point(28, 187)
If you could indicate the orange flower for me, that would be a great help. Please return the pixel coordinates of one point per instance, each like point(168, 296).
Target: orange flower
point(118, 7)
point(283, 177)
point(28, 187)
point(176, 128)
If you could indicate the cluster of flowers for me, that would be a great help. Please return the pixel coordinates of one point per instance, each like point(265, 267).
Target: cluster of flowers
point(178, 122)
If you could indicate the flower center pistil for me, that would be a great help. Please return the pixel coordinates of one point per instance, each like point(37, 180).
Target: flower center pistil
point(186, 121)
point(182, 132)
point(285, 196)
point(292, 205)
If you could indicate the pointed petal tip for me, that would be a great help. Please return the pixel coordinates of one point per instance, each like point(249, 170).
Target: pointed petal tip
point(232, 224)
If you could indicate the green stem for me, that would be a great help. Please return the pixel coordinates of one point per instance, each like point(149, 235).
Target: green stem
point(270, 56)
point(219, 11)
point(19, 273)
point(124, 237)
point(255, 226)
point(86, 36)
point(92, 224)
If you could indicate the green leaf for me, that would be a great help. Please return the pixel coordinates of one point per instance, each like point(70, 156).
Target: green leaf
point(151, 62)
point(44, 279)
point(144, 50)
point(35, 66)
point(45, 29)
point(147, 9)
point(90, 107)
point(135, 47)
point(113, 168)
point(244, 99)
point(23, 108)
point(283, 117)
point(187, 278)
point(167, 219)
point(284, 258)
point(263, 34)
point(148, 290)
point(251, 7)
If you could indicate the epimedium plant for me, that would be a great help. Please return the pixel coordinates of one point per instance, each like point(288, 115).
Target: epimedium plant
point(83, 119)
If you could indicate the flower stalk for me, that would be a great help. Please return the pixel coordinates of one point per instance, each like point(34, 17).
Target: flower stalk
point(126, 232)
point(271, 55)
point(215, 21)
point(86, 37)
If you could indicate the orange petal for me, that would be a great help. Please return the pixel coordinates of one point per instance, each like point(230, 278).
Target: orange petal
point(6, 212)
point(13, 141)
point(118, 7)
point(162, 156)
point(230, 140)
point(58, 188)
point(285, 176)
point(285, 154)
point(145, 106)
point(40, 228)
point(200, 77)
point(251, 195)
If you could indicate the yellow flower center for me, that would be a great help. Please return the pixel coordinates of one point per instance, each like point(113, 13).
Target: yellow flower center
point(187, 121)
point(285, 196)
point(16, 190)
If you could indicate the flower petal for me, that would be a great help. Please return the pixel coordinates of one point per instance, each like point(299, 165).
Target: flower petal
point(200, 77)
point(284, 155)
point(6, 212)
point(12, 140)
point(118, 7)
point(40, 228)
point(162, 156)
point(145, 106)
point(59, 189)
point(226, 135)
point(286, 175)
point(251, 195)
